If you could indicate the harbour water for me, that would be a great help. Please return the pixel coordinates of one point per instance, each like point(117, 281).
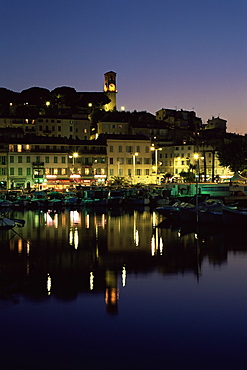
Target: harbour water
point(100, 289)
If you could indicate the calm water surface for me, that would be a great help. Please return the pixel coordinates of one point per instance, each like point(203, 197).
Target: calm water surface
point(121, 290)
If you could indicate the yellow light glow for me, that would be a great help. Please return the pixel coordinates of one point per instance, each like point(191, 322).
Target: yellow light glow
point(48, 285)
point(124, 276)
point(153, 246)
point(91, 281)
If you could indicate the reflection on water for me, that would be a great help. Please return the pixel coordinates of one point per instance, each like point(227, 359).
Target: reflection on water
point(57, 250)
point(64, 256)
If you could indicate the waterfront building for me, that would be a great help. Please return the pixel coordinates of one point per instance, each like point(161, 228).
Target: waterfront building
point(43, 162)
point(130, 157)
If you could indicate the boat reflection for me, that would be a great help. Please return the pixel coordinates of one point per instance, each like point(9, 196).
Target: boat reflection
point(64, 254)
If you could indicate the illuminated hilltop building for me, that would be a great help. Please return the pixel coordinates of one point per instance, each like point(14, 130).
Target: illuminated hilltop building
point(110, 88)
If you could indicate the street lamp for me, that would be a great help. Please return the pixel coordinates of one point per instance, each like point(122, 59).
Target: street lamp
point(155, 150)
point(134, 155)
point(73, 156)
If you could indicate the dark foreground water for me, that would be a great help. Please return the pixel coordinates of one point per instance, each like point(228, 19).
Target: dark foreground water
point(121, 290)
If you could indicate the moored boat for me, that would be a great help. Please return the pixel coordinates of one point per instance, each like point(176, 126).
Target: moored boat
point(234, 216)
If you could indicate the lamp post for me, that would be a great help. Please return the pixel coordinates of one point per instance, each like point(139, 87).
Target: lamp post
point(134, 155)
point(73, 156)
point(155, 150)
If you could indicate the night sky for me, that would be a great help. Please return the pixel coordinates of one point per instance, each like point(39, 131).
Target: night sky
point(178, 54)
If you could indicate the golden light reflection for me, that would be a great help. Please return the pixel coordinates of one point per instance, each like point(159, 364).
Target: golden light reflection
point(71, 236)
point(87, 223)
point(52, 219)
point(136, 238)
point(19, 246)
point(76, 238)
point(111, 296)
point(91, 281)
point(48, 285)
point(153, 246)
point(103, 221)
point(124, 276)
point(161, 246)
point(154, 219)
point(74, 217)
point(28, 247)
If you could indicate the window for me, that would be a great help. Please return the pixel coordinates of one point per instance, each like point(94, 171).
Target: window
point(28, 171)
point(146, 160)
point(28, 159)
point(11, 159)
point(86, 171)
point(138, 160)
point(19, 159)
point(20, 171)
point(111, 172)
point(19, 148)
point(129, 149)
point(3, 160)
point(111, 160)
point(55, 160)
point(138, 172)
point(111, 148)
point(146, 149)
point(120, 172)
point(138, 148)
point(58, 128)
point(120, 160)
point(47, 159)
point(120, 148)
point(71, 129)
point(63, 172)
point(129, 171)
point(63, 160)
point(128, 160)
point(147, 172)
point(12, 171)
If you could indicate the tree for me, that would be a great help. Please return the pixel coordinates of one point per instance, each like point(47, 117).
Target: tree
point(119, 181)
point(233, 154)
point(187, 176)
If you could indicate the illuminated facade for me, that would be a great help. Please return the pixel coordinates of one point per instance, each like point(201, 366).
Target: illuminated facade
point(129, 156)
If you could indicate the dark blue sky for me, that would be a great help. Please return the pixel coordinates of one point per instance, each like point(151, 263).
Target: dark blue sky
point(184, 54)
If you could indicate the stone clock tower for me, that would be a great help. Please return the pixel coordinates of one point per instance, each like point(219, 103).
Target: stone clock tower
point(110, 88)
